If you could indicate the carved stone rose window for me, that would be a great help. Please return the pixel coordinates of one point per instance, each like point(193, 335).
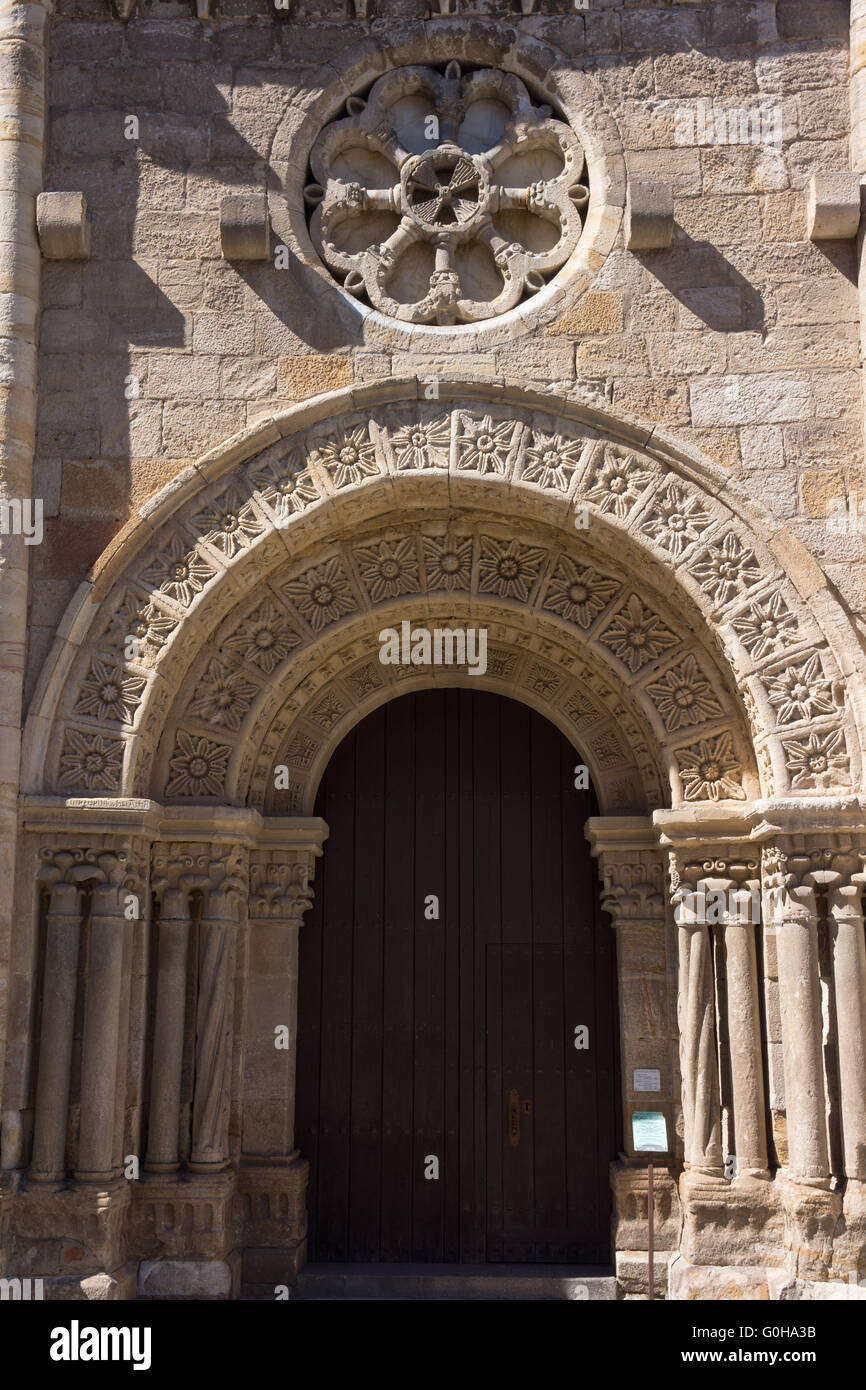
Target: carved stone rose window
point(446, 196)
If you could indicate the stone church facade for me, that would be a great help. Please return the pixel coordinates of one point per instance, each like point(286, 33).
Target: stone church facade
point(540, 318)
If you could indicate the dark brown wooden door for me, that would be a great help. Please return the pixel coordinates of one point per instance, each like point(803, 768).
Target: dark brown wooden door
point(443, 1106)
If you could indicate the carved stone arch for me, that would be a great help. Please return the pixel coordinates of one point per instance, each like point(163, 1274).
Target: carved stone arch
point(698, 595)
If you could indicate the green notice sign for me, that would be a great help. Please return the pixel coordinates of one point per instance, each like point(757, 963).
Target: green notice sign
point(649, 1132)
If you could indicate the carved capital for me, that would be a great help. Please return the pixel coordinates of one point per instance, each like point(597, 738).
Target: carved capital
point(112, 866)
point(280, 889)
point(796, 869)
point(219, 871)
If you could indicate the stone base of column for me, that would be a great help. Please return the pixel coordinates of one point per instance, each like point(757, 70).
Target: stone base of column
point(753, 1282)
point(190, 1218)
point(849, 1250)
point(812, 1223)
point(93, 1240)
point(731, 1223)
point(198, 1280)
point(271, 1226)
point(630, 1209)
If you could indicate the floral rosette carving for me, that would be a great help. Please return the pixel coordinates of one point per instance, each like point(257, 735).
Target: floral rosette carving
point(446, 197)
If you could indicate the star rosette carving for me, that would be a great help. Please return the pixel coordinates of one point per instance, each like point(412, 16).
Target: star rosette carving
point(446, 197)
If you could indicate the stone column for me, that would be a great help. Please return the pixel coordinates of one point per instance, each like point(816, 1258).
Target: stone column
point(224, 912)
point(632, 873)
point(793, 914)
point(59, 992)
point(172, 867)
point(849, 978)
point(116, 905)
point(733, 903)
point(22, 119)
point(280, 894)
point(273, 1178)
point(699, 1063)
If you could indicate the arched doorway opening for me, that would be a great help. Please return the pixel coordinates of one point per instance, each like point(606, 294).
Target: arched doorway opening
point(445, 1099)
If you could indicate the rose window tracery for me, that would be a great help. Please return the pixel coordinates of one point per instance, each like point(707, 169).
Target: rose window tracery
point(446, 196)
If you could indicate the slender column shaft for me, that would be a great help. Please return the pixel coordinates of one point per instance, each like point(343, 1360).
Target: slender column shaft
point(744, 1042)
point(99, 1069)
point(849, 977)
point(800, 1004)
point(163, 1153)
point(698, 1051)
point(213, 1046)
point(63, 936)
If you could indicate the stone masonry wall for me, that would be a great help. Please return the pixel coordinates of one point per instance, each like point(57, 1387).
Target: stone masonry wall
point(742, 338)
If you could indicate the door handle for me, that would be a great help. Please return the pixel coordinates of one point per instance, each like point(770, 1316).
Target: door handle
point(515, 1106)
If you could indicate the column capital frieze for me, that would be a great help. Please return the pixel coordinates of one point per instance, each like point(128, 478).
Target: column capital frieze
point(631, 868)
point(219, 870)
point(280, 884)
point(814, 861)
point(118, 861)
point(721, 867)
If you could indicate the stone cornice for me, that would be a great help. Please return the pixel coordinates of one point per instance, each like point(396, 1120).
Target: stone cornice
point(757, 821)
point(238, 825)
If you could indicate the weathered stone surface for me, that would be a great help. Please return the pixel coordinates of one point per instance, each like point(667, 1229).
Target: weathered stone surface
point(64, 227)
point(701, 403)
point(649, 216)
point(244, 227)
point(184, 1279)
point(833, 206)
point(692, 1282)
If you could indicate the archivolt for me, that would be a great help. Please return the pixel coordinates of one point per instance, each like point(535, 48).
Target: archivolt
point(234, 625)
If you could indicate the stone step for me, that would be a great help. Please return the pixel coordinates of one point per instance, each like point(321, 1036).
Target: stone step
point(455, 1282)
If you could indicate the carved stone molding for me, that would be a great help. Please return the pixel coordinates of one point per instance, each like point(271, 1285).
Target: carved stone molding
point(113, 865)
point(631, 870)
point(219, 871)
point(280, 885)
point(237, 684)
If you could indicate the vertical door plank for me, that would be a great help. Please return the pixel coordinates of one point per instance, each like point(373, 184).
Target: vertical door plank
point(450, 928)
point(518, 1181)
point(486, 919)
point(471, 1144)
point(365, 1153)
point(497, 1108)
point(309, 1054)
point(399, 1027)
point(429, 984)
point(337, 960)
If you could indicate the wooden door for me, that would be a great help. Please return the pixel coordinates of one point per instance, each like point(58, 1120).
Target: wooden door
point(454, 945)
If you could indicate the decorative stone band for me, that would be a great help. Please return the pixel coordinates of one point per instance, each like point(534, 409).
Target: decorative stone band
point(606, 628)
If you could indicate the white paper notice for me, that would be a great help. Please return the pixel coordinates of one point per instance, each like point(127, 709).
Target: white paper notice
point(647, 1079)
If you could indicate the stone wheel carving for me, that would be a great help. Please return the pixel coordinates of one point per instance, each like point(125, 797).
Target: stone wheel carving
point(446, 197)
